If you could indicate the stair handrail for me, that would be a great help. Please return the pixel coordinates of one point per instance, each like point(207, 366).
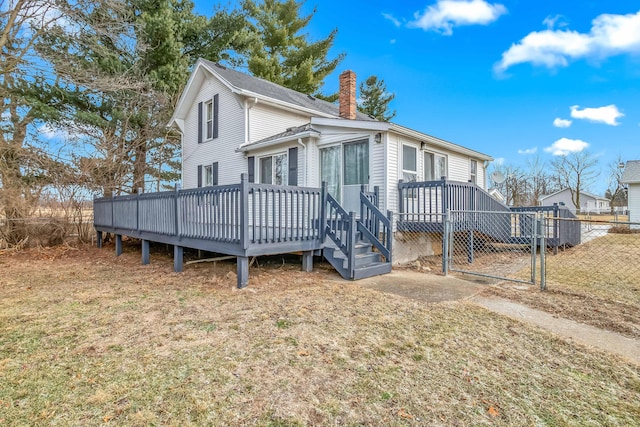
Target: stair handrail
point(373, 224)
point(337, 217)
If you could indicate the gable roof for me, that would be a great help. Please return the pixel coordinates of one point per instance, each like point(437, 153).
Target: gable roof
point(631, 174)
point(593, 196)
point(254, 87)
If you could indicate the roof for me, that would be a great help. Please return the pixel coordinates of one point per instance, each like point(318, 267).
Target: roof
point(631, 172)
point(288, 135)
point(593, 196)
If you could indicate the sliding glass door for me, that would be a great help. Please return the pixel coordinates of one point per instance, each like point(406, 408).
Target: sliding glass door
point(345, 168)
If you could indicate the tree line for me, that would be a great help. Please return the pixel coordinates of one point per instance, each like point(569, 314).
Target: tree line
point(577, 172)
point(103, 76)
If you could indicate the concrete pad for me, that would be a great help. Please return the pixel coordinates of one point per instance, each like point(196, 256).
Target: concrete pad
point(430, 288)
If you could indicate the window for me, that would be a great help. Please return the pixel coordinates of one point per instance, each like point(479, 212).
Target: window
point(274, 169)
point(474, 171)
point(435, 166)
point(209, 123)
point(208, 176)
point(409, 163)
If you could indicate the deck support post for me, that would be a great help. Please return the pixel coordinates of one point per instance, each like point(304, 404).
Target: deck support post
point(145, 252)
point(178, 254)
point(99, 239)
point(307, 261)
point(242, 263)
point(118, 244)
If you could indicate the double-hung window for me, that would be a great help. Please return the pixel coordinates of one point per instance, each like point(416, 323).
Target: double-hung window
point(274, 169)
point(409, 163)
point(435, 166)
point(209, 122)
point(208, 176)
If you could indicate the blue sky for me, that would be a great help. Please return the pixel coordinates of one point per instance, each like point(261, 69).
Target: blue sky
point(513, 79)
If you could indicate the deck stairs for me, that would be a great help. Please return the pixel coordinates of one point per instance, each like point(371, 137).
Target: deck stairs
point(367, 262)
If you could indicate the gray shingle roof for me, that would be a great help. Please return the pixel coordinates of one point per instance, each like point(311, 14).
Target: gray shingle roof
point(272, 90)
point(631, 172)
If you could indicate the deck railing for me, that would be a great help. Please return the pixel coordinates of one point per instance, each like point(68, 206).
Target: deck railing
point(562, 227)
point(375, 226)
point(242, 215)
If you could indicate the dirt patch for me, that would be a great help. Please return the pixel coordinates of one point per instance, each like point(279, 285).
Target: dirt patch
point(602, 313)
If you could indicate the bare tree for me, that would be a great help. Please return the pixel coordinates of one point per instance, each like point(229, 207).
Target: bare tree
point(575, 171)
point(539, 181)
point(514, 186)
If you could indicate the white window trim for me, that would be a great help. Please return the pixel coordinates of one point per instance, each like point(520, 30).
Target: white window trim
point(471, 174)
point(435, 154)
point(408, 171)
point(259, 159)
point(208, 107)
point(207, 179)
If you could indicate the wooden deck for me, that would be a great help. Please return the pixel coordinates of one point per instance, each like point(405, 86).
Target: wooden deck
point(245, 220)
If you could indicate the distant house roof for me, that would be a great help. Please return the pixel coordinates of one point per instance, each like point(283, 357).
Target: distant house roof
point(593, 196)
point(631, 174)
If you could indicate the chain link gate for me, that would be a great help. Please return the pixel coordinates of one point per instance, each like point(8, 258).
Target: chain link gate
point(499, 245)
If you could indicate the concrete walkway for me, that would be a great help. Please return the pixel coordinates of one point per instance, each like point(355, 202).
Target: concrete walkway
point(433, 288)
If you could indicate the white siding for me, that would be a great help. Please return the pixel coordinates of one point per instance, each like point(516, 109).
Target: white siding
point(393, 171)
point(634, 203)
point(222, 149)
point(376, 169)
point(266, 121)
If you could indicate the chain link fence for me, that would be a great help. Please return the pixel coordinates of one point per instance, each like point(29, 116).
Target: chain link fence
point(498, 245)
point(608, 255)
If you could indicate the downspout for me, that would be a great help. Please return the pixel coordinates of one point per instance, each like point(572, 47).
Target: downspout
point(306, 161)
point(248, 105)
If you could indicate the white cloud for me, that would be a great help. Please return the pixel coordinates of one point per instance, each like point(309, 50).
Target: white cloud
point(607, 115)
point(392, 18)
point(565, 146)
point(446, 14)
point(609, 35)
point(499, 161)
point(528, 150)
point(561, 123)
point(552, 21)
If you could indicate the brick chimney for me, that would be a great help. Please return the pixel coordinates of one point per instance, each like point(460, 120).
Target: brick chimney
point(348, 95)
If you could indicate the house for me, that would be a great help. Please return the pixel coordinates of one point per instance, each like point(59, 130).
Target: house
point(631, 177)
point(267, 170)
point(233, 123)
point(589, 203)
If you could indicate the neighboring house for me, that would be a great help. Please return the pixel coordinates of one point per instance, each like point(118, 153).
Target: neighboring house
point(233, 123)
point(589, 203)
point(631, 177)
point(496, 194)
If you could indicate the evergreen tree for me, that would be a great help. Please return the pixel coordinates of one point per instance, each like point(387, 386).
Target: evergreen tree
point(281, 53)
point(374, 99)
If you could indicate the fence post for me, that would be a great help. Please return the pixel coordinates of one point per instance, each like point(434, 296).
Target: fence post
point(400, 200)
point(322, 223)
point(244, 210)
point(534, 246)
point(543, 267)
point(390, 236)
point(445, 244)
point(352, 244)
point(176, 205)
point(362, 190)
point(556, 228)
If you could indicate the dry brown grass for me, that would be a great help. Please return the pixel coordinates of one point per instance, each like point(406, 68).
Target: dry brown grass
point(596, 283)
point(90, 339)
